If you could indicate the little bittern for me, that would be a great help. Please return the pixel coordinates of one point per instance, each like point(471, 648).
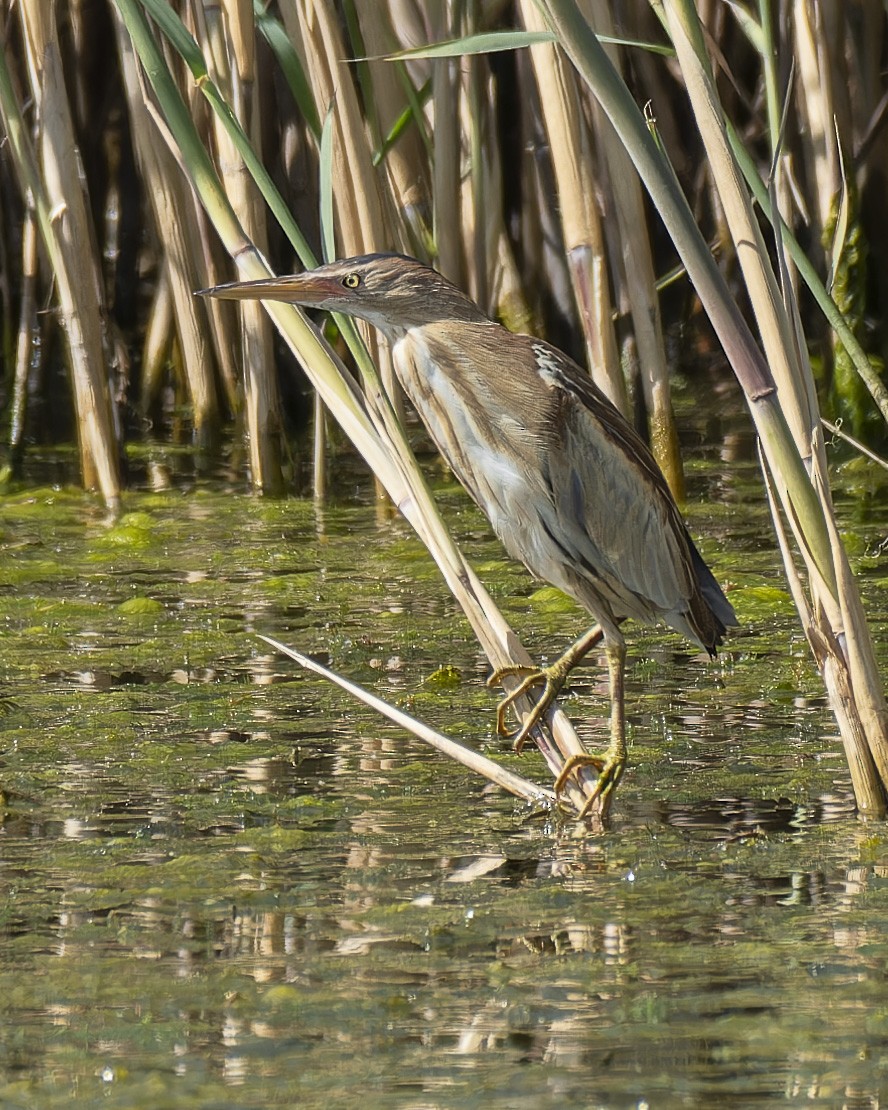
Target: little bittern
point(568, 486)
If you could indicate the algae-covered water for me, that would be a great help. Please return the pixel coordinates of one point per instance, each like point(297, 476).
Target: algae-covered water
point(223, 884)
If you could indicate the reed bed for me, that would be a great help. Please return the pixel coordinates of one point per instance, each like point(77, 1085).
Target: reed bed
point(533, 152)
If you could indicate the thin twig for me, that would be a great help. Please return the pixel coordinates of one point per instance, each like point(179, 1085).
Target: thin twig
point(855, 443)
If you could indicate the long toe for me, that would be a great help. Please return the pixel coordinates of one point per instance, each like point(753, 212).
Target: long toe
point(551, 689)
point(513, 670)
point(532, 676)
point(610, 771)
point(572, 765)
point(552, 679)
point(610, 767)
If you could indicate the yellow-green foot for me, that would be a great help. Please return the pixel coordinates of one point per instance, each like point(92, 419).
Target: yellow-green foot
point(550, 678)
point(609, 766)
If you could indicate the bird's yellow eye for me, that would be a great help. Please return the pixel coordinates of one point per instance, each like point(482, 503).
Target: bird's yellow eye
point(351, 281)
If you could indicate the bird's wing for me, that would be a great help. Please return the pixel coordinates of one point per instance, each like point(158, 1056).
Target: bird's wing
point(610, 502)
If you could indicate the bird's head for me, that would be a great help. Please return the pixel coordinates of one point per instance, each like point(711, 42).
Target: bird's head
point(391, 291)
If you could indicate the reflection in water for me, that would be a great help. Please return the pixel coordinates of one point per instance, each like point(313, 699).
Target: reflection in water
point(223, 884)
point(644, 960)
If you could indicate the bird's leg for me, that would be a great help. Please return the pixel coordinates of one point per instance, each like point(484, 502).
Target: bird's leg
point(551, 678)
point(611, 764)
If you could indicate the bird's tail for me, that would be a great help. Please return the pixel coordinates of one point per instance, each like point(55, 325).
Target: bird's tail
point(720, 608)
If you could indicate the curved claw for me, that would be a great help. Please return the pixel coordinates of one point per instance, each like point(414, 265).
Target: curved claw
point(609, 766)
point(552, 682)
point(552, 679)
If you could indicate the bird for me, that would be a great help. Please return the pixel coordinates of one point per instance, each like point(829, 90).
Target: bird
point(568, 485)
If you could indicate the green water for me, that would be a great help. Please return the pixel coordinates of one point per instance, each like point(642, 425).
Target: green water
point(223, 884)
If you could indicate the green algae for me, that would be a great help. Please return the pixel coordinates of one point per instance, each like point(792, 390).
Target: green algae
point(140, 607)
point(222, 883)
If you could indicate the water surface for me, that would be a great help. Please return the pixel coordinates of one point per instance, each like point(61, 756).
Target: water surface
point(223, 884)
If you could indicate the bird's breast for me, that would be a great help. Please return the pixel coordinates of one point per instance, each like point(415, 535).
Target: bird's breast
point(486, 441)
point(563, 479)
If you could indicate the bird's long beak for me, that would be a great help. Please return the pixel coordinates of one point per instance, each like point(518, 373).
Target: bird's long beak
point(309, 288)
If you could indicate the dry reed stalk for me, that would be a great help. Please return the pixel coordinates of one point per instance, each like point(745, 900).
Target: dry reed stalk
point(241, 35)
point(486, 248)
point(158, 339)
point(224, 332)
point(544, 264)
point(799, 407)
point(447, 152)
point(781, 160)
point(24, 342)
point(406, 161)
point(360, 223)
point(493, 272)
point(476, 762)
point(625, 197)
point(480, 220)
point(843, 332)
point(229, 30)
point(817, 108)
point(70, 243)
point(175, 219)
point(834, 592)
point(828, 657)
point(507, 293)
point(838, 92)
point(572, 157)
